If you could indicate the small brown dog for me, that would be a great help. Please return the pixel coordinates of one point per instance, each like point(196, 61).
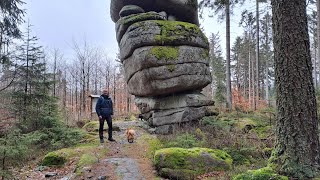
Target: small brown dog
point(130, 135)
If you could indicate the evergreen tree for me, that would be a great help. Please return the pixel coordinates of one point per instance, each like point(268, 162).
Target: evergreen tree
point(34, 107)
point(224, 9)
point(217, 67)
point(267, 70)
point(11, 16)
point(13, 148)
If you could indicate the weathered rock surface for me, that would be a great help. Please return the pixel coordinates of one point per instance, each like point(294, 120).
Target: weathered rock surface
point(154, 56)
point(161, 33)
point(195, 99)
point(165, 56)
point(126, 168)
point(179, 115)
point(123, 23)
point(183, 10)
point(183, 163)
point(164, 112)
point(169, 79)
point(129, 10)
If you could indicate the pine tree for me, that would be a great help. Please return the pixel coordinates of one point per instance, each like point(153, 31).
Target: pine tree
point(13, 149)
point(224, 9)
point(267, 53)
point(34, 107)
point(217, 67)
point(11, 16)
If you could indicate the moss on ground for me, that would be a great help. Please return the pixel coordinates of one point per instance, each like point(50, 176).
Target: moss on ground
point(238, 157)
point(263, 131)
point(90, 158)
point(88, 153)
point(53, 159)
point(261, 174)
point(200, 160)
point(154, 144)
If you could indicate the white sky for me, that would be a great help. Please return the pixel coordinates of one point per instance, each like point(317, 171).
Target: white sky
point(57, 22)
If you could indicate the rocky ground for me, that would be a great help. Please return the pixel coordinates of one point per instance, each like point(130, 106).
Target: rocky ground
point(123, 161)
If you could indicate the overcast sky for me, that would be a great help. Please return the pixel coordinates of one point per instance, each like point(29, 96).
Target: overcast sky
point(58, 22)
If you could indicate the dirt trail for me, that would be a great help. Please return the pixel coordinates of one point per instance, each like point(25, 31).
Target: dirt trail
point(123, 161)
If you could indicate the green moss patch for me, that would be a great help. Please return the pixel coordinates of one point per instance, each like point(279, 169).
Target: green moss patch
point(261, 174)
point(173, 30)
point(165, 52)
point(87, 159)
point(222, 123)
point(53, 159)
point(154, 144)
point(263, 131)
point(196, 160)
point(238, 157)
point(85, 155)
point(245, 122)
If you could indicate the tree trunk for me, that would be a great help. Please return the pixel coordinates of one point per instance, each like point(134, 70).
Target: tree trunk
point(228, 74)
point(318, 30)
point(257, 57)
point(296, 151)
point(114, 90)
point(4, 158)
point(55, 71)
point(267, 60)
point(315, 62)
point(250, 69)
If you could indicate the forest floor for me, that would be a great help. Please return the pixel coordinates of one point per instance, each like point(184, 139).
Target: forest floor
point(122, 160)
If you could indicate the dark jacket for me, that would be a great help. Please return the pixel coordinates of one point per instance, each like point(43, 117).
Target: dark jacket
point(104, 106)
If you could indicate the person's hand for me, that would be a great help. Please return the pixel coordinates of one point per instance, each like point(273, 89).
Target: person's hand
point(100, 117)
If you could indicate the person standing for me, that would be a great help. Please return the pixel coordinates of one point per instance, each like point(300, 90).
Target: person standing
point(104, 109)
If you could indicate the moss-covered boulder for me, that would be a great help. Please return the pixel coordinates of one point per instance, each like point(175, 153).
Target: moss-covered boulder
point(53, 159)
point(261, 174)
point(175, 162)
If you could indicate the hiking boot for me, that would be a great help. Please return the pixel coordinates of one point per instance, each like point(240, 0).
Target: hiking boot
point(111, 139)
point(101, 141)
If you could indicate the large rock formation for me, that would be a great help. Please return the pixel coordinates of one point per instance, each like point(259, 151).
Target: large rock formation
point(165, 58)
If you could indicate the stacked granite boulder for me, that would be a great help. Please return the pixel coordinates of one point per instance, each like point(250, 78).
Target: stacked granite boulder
point(165, 58)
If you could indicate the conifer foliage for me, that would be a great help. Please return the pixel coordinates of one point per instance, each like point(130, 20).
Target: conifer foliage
point(34, 107)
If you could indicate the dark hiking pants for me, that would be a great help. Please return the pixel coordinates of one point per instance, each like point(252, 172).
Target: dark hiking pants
point(109, 122)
